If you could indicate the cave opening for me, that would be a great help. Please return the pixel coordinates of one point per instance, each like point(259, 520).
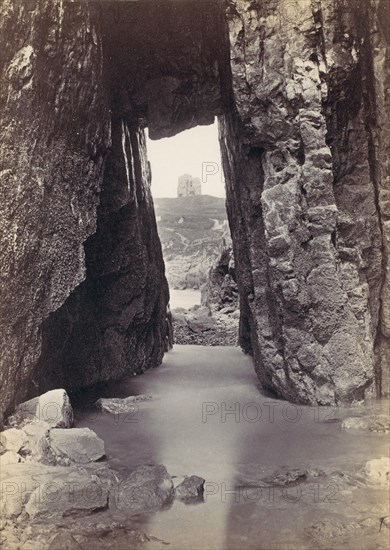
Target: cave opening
point(188, 190)
point(83, 86)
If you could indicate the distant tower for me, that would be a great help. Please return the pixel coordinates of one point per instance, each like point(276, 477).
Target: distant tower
point(188, 186)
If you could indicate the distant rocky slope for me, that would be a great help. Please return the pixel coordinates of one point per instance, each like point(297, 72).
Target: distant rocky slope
point(216, 321)
point(192, 231)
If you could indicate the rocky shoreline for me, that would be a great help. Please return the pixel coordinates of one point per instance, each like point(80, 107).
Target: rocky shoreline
point(216, 321)
point(58, 493)
point(198, 325)
point(54, 478)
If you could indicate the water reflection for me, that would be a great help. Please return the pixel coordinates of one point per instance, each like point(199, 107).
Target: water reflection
point(208, 418)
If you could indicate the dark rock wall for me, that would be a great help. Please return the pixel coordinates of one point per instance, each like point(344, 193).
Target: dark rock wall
point(83, 291)
point(356, 123)
point(114, 323)
point(54, 131)
point(307, 185)
point(165, 62)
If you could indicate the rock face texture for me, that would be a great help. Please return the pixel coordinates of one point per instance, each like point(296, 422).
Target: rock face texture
point(114, 322)
point(188, 186)
point(308, 193)
point(220, 290)
point(300, 88)
point(83, 292)
point(54, 132)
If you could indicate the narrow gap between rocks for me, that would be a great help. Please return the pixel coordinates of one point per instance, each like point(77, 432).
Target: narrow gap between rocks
point(188, 189)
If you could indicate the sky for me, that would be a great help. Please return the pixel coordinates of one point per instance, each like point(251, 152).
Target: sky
point(194, 152)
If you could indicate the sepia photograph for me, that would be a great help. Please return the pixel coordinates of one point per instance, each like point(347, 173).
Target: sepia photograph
point(195, 274)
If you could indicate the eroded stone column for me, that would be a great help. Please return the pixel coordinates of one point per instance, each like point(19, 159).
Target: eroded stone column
point(302, 194)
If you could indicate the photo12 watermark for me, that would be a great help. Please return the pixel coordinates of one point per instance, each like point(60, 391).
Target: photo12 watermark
point(267, 411)
point(88, 490)
point(312, 492)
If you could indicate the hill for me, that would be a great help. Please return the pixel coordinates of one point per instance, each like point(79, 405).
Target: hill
point(192, 230)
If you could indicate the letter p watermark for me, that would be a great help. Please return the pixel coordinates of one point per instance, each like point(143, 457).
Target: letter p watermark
point(209, 168)
point(209, 409)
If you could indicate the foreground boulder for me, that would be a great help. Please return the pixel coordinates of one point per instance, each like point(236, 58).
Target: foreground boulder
point(191, 489)
point(30, 441)
point(53, 491)
point(32, 422)
point(52, 407)
point(147, 488)
point(74, 494)
point(78, 444)
point(9, 457)
point(12, 440)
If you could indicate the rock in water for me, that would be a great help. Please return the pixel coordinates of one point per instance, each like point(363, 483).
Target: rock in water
point(378, 470)
point(293, 476)
point(118, 405)
point(147, 488)
point(12, 439)
point(52, 407)
point(288, 477)
point(373, 423)
point(78, 444)
point(191, 489)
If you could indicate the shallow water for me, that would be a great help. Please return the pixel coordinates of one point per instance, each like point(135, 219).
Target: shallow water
point(208, 417)
point(184, 298)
